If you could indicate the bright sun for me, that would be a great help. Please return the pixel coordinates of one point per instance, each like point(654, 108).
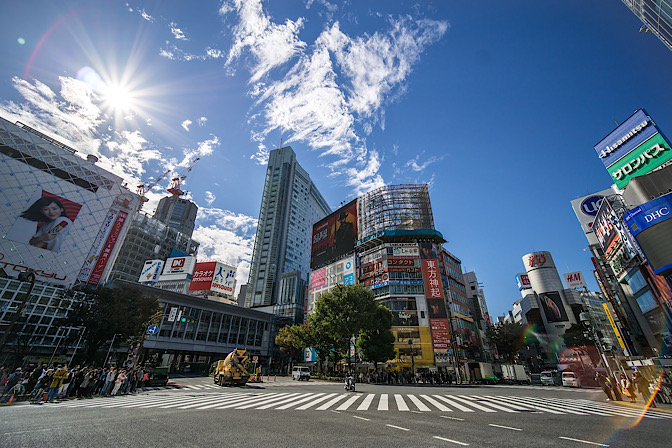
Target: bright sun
point(118, 98)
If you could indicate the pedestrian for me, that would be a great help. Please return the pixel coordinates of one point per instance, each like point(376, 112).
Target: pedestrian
point(119, 381)
point(615, 389)
point(642, 385)
point(605, 384)
point(628, 388)
point(12, 380)
point(109, 379)
point(56, 382)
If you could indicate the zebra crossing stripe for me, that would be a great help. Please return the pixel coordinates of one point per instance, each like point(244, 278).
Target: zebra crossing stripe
point(453, 403)
point(383, 403)
point(364, 405)
point(533, 403)
point(419, 404)
point(348, 403)
point(330, 403)
point(314, 402)
point(490, 403)
point(254, 398)
point(266, 401)
point(218, 401)
point(293, 402)
point(472, 404)
point(401, 404)
point(208, 399)
point(438, 405)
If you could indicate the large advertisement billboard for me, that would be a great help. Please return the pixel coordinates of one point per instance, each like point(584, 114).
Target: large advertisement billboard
point(150, 271)
point(634, 148)
point(651, 226)
point(334, 235)
point(586, 208)
point(54, 205)
point(554, 310)
point(178, 268)
point(605, 228)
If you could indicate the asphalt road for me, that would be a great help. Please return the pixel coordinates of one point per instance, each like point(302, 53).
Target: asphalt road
point(312, 414)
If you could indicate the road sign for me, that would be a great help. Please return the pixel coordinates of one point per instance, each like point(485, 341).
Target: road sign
point(255, 359)
point(152, 329)
point(173, 314)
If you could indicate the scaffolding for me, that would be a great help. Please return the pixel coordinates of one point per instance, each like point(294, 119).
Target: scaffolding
point(394, 207)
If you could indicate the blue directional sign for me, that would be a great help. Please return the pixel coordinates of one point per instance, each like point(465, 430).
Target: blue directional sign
point(152, 329)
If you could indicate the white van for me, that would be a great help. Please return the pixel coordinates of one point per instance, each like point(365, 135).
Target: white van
point(301, 373)
point(569, 379)
point(546, 378)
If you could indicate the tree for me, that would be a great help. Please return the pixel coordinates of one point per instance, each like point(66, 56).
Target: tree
point(107, 312)
point(575, 336)
point(377, 344)
point(508, 337)
point(344, 312)
point(292, 339)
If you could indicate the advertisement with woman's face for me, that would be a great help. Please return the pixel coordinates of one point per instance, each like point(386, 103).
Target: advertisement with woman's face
point(45, 222)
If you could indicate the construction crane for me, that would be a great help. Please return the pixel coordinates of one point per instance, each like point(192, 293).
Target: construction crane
point(176, 182)
point(142, 189)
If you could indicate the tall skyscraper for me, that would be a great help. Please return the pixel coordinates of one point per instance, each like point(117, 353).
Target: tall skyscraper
point(290, 205)
point(656, 16)
point(178, 213)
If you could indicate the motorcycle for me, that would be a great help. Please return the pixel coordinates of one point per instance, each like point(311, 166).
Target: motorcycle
point(350, 384)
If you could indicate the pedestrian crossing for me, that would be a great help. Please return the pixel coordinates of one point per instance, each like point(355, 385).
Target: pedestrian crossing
point(371, 402)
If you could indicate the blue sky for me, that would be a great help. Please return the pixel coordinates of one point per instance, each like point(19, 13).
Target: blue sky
point(497, 105)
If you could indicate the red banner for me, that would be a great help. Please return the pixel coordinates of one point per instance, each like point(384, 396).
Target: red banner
point(104, 256)
point(201, 279)
point(430, 274)
point(440, 333)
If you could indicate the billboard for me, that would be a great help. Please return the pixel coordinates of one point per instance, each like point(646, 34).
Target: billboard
point(554, 310)
point(213, 276)
point(178, 268)
point(586, 208)
point(651, 226)
point(54, 204)
point(150, 271)
point(574, 280)
point(634, 148)
point(320, 281)
point(334, 235)
point(523, 281)
point(605, 228)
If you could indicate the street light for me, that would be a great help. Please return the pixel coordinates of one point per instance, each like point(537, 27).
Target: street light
point(584, 317)
point(109, 349)
point(410, 344)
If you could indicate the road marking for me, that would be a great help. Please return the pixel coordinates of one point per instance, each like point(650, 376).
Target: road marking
point(451, 441)
point(583, 441)
point(335, 412)
point(453, 418)
point(366, 403)
point(331, 402)
point(266, 401)
point(438, 405)
point(295, 402)
point(348, 403)
point(489, 402)
point(382, 404)
point(401, 404)
point(452, 403)
point(398, 427)
point(470, 403)
point(308, 405)
point(421, 406)
point(362, 418)
point(505, 427)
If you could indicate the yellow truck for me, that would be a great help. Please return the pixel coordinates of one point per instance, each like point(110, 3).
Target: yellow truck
point(231, 371)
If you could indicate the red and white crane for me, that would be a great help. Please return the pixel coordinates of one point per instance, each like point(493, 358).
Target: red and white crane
point(176, 182)
point(142, 189)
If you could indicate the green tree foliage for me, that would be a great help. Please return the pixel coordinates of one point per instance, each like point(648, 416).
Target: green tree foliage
point(291, 339)
point(107, 312)
point(344, 312)
point(575, 336)
point(508, 337)
point(377, 344)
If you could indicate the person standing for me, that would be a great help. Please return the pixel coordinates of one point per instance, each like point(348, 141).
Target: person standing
point(56, 382)
point(628, 388)
point(118, 382)
point(642, 385)
point(604, 383)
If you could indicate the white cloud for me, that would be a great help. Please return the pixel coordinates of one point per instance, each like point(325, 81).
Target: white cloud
point(415, 166)
point(146, 16)
point(201, 121)
point(177, 33)
point(209, 198)
point(186, 124)
point(334, 91)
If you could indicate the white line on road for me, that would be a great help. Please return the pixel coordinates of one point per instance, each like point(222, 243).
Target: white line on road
point(583, 441)
point(366, 403)
point(401, 404)
point(398, 427)
point(362, 418)
point(453, 418)
point(505, 427)
point(382, 404)
point(451, 441)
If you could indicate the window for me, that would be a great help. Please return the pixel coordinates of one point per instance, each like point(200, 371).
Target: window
point(646, 301)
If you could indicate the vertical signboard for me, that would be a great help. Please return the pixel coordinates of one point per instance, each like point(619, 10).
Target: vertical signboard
point(105, 254)
point(224, 279)
point(436, 305)
point(334, 235)
point(150, 271)
point(201, 279)
point(605, 228)
point(553, 308)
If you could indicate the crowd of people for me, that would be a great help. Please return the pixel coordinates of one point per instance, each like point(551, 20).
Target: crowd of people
point(623, 387)
point(49, 384)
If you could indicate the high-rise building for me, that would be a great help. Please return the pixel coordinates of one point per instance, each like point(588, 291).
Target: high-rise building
point(148, 239)
point(290, 205)
point(178, 213)
point(656, 16)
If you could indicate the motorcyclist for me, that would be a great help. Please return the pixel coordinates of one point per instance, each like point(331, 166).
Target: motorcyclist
point(349, 381)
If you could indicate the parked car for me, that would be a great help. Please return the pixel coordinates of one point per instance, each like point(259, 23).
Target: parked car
point(301, 373)
point(569, 379)
point(547, 378)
